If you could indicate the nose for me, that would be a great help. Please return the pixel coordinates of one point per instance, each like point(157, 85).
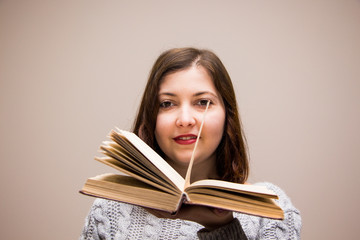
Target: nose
point(186, 117)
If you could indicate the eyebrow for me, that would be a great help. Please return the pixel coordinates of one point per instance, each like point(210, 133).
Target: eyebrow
point(167, 94)
point(205, 92)
point(195, 95)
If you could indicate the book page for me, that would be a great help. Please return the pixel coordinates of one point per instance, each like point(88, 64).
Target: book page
point(192, 159)
point(258, 206)
point(133, 159)
point(139, 174)
point(233, 187)
point(113, 150)
point(130, 190)
point(155, 158)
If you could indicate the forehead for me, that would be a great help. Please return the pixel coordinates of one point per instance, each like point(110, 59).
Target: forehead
point(195, 78)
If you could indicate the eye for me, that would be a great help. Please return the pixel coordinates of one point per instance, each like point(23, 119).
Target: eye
point(203, 102)
point(166, 104)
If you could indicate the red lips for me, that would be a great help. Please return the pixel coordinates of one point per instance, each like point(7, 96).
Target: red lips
point(185, 139)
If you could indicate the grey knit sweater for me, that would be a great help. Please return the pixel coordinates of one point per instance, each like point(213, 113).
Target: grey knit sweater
point(114, 220)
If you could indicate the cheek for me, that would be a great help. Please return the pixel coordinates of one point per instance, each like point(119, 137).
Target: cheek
point(215, 126)
point(162, 124)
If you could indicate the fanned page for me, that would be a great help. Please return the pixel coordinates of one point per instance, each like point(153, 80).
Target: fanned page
point(122, 155)
point(140, 175)
point(155, 158)
point(192, 159)
point(130, 190)
point(260, 191)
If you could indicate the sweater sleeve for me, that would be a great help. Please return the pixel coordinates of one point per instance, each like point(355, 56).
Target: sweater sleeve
point(232, 231)
point(265, 228)
point(96, 222)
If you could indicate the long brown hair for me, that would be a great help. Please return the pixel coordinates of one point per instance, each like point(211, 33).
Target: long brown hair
point(231, 154)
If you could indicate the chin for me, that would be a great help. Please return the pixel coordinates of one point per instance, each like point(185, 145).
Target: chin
point(183, 161)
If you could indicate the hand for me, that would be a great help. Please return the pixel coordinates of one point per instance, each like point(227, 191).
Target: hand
point(210, 218)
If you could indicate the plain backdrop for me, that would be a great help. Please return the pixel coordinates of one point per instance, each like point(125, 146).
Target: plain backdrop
point(71, 70)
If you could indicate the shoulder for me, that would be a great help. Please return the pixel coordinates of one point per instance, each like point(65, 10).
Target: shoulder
point(288, 228)
point(103, 215)
point(106, 212)
point(105, 207)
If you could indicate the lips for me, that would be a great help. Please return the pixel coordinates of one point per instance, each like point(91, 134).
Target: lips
point(185, 139)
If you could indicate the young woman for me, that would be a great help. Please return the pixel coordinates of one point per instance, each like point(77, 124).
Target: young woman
point(181, 83)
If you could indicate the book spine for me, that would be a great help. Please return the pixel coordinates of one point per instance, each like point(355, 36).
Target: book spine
point(183, 199)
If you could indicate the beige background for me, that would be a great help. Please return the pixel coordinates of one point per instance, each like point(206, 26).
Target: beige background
point(72, 70)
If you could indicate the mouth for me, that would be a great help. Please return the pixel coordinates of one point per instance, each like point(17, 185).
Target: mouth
point(185, 139)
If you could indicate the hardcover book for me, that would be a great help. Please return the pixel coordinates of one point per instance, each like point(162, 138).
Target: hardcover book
point(147, 180)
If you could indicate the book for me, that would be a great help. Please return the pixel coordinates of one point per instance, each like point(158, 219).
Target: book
point(147, 180)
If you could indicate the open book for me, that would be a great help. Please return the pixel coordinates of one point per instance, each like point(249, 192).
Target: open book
point(151, 182)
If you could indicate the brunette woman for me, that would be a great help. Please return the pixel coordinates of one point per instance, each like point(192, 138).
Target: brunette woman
point(181, 83)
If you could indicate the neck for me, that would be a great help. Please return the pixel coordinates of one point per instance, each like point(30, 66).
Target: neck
point(201, 170)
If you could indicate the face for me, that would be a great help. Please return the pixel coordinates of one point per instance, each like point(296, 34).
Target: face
point(183, 96)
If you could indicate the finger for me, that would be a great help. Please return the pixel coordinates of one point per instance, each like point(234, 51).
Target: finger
point(220, 212)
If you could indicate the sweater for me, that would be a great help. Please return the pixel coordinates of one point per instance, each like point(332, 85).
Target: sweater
point(115, 220)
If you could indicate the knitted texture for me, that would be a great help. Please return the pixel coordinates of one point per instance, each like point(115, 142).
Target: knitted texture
point(232, 231)
point(114, 220)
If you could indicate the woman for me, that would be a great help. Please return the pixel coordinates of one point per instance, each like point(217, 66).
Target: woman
point(181, 83)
